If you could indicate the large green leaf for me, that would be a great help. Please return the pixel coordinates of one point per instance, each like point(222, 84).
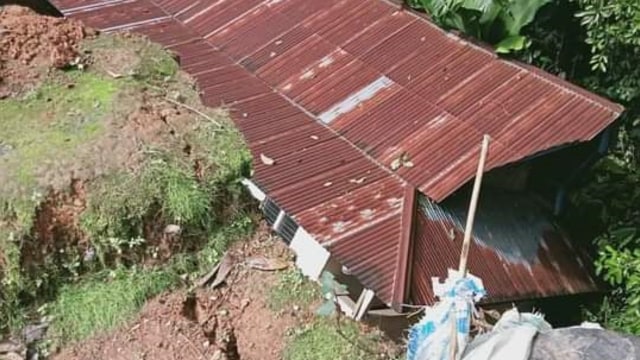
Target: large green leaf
point(511, 43)
point(481, 5)
point(520, 13)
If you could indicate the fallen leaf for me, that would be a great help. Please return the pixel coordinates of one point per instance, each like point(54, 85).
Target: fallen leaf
point(267, 160)
point(395, 164)
point(263, 264)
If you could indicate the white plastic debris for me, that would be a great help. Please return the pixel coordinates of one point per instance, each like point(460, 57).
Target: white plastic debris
point(511, 337)
point(431, 338)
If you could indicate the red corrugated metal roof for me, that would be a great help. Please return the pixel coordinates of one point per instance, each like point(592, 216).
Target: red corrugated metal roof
point(517, 252)
point(384, 82)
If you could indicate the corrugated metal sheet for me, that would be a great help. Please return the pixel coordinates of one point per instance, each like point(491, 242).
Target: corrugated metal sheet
point(517, 250)
point(388, 83)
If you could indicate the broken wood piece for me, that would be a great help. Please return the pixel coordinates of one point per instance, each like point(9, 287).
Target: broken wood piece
point(263, 264)
point(226, 265)
point(220, 271)
point(207, 277)
point(113, 74)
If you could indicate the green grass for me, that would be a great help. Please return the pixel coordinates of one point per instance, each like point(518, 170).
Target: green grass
point(105, 301)
point(47, 125)
point(293, 289)
point(320, 340)
point(51, 122)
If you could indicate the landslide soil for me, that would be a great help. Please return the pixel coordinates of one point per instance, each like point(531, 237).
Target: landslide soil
point(231, 322)
point(34, 50)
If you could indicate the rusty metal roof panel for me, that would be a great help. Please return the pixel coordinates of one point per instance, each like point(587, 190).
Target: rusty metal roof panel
point(349, 213)
point(332, 89)
point(168, 33)
point(518, 254)
point(197, 57)
point(368, 254)
point(331, 184)
point(378, 32)
point(399, 46)
point(212, 17)
point(122, 16)
point(174, 6)
point(253, 29)
point(69, 7)
point(334, 92)
point(269, 51)
point(340, 23)
point(295, 60)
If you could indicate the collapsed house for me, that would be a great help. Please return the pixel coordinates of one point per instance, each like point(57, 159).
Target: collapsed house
point(365, 121)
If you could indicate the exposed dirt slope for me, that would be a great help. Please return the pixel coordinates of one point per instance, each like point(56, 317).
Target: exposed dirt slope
point(208, 325)
point(30, 44)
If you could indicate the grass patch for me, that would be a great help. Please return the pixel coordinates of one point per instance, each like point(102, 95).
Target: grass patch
point(136, 57)
point(56, 127)
point(49, 123)
point(293, 289)
point(320, 340)
point(105, 301)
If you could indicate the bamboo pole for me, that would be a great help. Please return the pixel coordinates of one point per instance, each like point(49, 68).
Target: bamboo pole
point(468, 231)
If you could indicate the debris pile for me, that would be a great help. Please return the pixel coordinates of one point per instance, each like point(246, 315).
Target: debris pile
point(33, 39)
point(32, 44)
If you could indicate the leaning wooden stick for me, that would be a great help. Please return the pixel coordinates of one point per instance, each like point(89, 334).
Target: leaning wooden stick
point(468, 231)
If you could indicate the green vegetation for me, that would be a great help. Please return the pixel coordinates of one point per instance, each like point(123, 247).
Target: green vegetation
point(595, 44)
point(323, 340)
point(498, 22)
point(105, 301)
point(293, 289)
point(49, 123)
point(134, 229)
point(320, 341)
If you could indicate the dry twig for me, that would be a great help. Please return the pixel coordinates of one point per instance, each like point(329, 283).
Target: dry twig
point(191, 108)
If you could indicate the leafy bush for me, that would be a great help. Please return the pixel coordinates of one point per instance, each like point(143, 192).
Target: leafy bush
point(499, 22)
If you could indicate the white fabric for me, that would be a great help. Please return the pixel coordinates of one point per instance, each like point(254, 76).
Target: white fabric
point(510, 339)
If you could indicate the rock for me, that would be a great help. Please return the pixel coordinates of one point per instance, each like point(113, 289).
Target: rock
point(585, 344)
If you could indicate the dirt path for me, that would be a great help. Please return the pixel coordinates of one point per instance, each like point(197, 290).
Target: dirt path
point(176, 326)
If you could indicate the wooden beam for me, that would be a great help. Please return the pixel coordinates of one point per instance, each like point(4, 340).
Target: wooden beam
point(405, 251)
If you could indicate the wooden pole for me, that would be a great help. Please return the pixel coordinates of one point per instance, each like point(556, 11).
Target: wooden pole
point(468, 229)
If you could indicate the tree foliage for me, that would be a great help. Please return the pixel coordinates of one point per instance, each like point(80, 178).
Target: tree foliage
point(499, 22)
